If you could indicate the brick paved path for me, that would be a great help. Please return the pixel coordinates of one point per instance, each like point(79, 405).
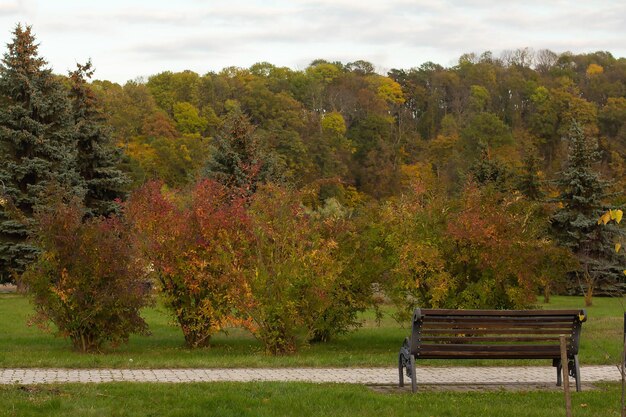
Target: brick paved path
point(378, 376)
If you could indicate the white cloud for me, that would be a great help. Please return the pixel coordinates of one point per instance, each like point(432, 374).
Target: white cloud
point(127, 38)
point(11, 8)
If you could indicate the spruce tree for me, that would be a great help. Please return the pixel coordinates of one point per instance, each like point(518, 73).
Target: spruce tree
point(575, 223)
point(238, 160)
point(98, 159)
point(37, 145)
point(488, 171)
point(529, 182)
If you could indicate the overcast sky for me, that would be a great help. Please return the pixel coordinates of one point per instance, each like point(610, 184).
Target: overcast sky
point(130, 38)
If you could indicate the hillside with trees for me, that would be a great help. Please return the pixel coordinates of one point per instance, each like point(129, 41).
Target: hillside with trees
point(476, 185)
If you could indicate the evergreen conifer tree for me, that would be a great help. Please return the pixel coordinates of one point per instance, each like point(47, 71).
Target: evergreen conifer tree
point(575, 223)
point(238, 160)
point(98, 159)
point(529, 182)
point(487, 171)
point(37, 144)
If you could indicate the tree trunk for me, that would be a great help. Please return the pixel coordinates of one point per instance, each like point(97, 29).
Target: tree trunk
point(589, 295)
point(546, 294)
point(589, 290)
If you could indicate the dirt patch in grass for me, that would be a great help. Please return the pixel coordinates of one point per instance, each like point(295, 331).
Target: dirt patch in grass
point(7, 288)
point(513, 387)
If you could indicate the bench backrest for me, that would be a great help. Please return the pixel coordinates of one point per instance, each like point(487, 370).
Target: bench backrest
point(494, 334)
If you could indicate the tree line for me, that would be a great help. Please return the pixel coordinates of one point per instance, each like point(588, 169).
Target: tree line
point(286, 201)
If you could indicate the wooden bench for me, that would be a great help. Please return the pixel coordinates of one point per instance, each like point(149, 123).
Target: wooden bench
point(492, 334)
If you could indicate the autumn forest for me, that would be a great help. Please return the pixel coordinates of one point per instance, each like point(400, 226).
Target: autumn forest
point(286, 201)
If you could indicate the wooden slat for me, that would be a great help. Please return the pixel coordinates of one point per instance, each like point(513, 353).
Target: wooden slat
point(489, 339)
point(487, 348)
point(502, 313)
point(495, 331)
point(496, 325)
point(488, 355)
point(496, 319)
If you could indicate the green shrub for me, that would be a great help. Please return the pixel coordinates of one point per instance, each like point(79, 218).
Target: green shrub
point(295, 275)
point(487, 250)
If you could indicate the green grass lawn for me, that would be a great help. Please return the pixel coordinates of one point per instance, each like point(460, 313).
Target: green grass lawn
point(371, 345)
point(289, 399)
point(602, 335)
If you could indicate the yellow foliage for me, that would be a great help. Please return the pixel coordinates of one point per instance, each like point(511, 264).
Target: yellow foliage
point(605, 218)
point(420, 173)
point(389, 90)
point(140, 151)
point(615, 215)
point(334, 123)
point(325, 72)
point(594, 69)
point(185, 153)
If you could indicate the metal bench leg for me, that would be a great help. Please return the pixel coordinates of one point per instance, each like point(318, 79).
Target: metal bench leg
point(559, 372)
point(577, 372)
point(404, 360)
point(400, 370)
point(413, 375)
point(407, 361)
